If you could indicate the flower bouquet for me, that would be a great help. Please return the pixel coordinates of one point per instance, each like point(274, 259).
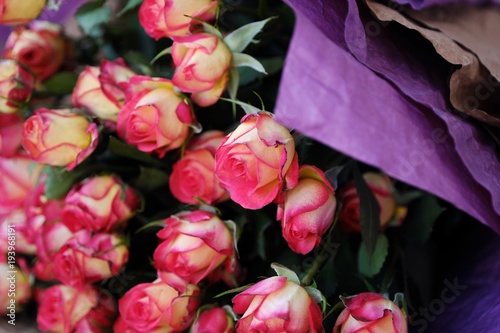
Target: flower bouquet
point(189, 166)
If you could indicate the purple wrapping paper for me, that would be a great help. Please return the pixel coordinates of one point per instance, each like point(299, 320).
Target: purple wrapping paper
point(369, 98)
point(419, 4)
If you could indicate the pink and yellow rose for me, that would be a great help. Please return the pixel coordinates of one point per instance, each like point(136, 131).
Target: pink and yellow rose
point(59, 137)
point(213, 320)
point(86, 258)
point(157, 307)
point(15, 12)
point(307, 210)
point(156, 118)
point(101, 203)
point(257, 161)
point(277, 305)
point(203, 61)
point(16, 86)
point(370, 312)
point(193, 244)
point(169, 18)
point(40, 46)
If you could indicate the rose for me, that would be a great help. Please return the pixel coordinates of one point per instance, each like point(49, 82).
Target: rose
point(50, 238)
point(307, 210)
point(100, 203)
point(157, 307)
point(40, 209)
point(16, 86)
point(256, 161)
point(193, 178)
point(370, 312)
point(102, 90)
point(14, 285)
point(277, 305)
point(14, 12)
point(381, 187)
point(11, 129)
point(155, 118)
point(59, 137)
point(61, 307)
point(168, 18)
point(100, 318)
point(214, 320)
point(193, 244)
point(87, 258)
point(203, 62)
point(209, 140)
point(40, 46)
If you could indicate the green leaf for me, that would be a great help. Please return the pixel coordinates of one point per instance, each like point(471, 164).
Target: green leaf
point(369, 211)
point(59, 181)
point(60, 84)
point(249, 109)
point(168, 50)
point(245, 60)
point(210, 29)
point(91, 16)
point(234, 291)
point(131, 4)
point(272, 66)
point(239, 39)
point(370, 265)
point(286, 272)
point(318, 297)
point(150, 179)
point(422, 213)
point(119, 148)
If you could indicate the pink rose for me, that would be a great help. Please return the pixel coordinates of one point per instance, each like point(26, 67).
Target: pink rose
point(16, 219)
point(155, 118)
point(277, 305)
point(61, 307)
point(157, 307)
point(14, 12)
point(370, 312)
point(39, 209)
point(257, 161)
point(16, 86)
point(87, 258)
point(11, 133)
point(168, 18)
point(209, 140)
point(193, 178)
point(214, 320)
point(382, 188)
point(193, 244)
point(307, 210)
point(102, 90)
point(13, 286)
point(100, 203)
point(59, 137)
point(203, 62)
point(40, 46)
point(101, 317)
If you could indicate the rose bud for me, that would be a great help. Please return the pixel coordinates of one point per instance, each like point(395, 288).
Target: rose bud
point(59, 137)
point(157, 307)
point(14, 12)
point(61, 307)
point(202, 62)
point(256, 161)
point(41, 47)
point(87, 258)
point(100, 203)
point(16, 220)
point(14, 285)
point(209, 140)
point(382, 189)
point(277, 305)
point(214, 320)
point(101, 317)
point(11, 133)
point(50, 238)
point(193, 244)
point(307, 210)
point(16, 86)
point(370, 312)
point(155, 118)
point(168, 18)
point(193, 178)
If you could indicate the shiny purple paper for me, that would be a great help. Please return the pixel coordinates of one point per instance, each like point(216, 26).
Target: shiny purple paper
point(370, 96)
point(419, 4)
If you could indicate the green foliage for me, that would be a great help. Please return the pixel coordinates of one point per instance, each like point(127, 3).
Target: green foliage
point(370, 265)
point(59, 84)
point(91, 16)
point(422, 213)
